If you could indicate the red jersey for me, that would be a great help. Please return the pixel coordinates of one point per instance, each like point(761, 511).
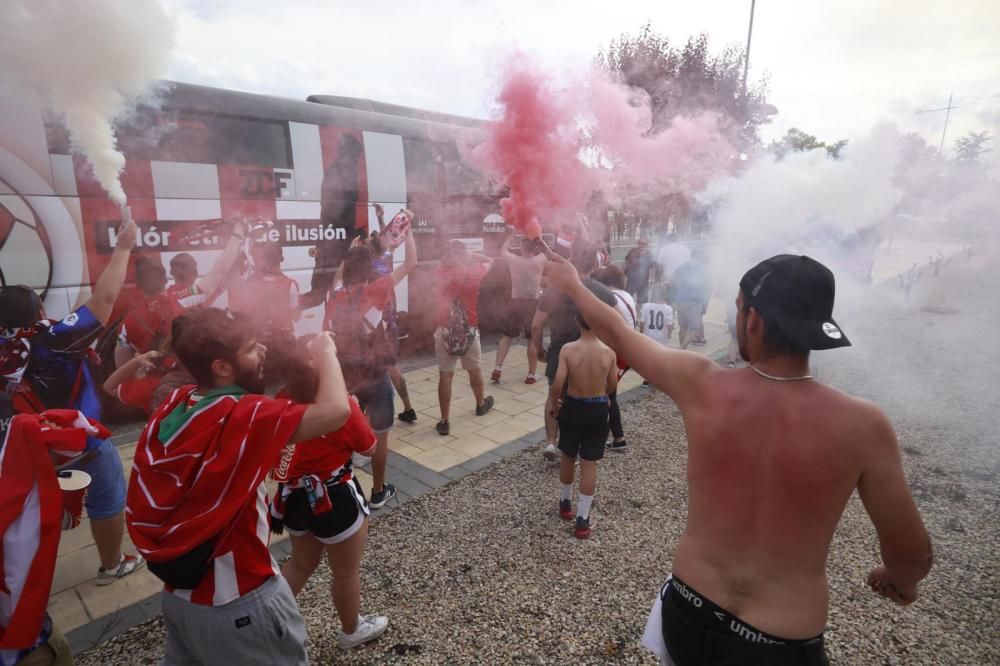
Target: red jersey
point(270, 300)
point(372, 300)
point(190, 295)
point(147, 322)
point(326, 455)
point(198, 474)
point(460, 282)
point(139, 392)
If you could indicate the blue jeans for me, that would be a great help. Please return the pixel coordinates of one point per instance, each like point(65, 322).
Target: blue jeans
point(106, 494)
point(375, 399)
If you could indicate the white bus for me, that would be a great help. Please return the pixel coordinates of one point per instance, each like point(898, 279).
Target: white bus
point(204, 153)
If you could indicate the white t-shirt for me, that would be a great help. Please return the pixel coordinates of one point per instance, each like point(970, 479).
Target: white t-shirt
point(625, 305)
point(670, 257)
point(656, 317)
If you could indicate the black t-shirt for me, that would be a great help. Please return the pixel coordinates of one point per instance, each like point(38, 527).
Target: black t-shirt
point(563, 327)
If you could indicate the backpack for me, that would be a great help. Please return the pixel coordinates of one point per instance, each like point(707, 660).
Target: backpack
point(458, 333)
point(358, 339)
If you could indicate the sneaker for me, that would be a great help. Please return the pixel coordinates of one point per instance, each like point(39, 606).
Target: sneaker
point(565, 510)
point(495, 377)
point(530, 379)
point(443, 427)
point(409, 416)
point(369, 628)
point(381, 497)
point(584, 526)
point(486, 406)
point(129, 564)
point(550, 452)
point(620, 446)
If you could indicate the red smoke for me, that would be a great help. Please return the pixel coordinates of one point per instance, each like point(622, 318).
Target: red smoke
point(535, 146)
point(533, 149)
point(679, 160)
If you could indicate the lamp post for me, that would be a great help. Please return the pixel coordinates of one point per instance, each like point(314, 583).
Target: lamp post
point(746, 57)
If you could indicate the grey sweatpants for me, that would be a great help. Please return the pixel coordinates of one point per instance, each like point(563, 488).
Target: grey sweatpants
point(262, 627)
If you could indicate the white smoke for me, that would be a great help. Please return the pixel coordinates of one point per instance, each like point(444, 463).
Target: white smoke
point(90, 59)
point(804, 203)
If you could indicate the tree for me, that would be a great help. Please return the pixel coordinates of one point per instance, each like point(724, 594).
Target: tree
point(972, 146)
point(795, 140)
point(690, 79)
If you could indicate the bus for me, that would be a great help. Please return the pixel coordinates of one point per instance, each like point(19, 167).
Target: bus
point(201, 154)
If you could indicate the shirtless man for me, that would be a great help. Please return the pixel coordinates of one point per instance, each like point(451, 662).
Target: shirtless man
point(773, 457)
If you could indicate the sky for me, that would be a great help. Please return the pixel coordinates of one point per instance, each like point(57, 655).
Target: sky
point(834, 68)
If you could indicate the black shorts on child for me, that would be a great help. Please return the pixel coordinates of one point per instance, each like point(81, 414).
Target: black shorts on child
point(583, 427)
point(338, 524)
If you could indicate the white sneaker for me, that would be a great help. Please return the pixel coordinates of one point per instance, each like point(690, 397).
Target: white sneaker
point(550, 452)
point(369, 628)
point(129, 564)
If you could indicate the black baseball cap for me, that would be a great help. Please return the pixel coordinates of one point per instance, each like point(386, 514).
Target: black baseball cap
point(796, 293)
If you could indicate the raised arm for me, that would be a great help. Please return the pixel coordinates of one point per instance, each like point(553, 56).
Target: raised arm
point(332, 406)
point(505, 248)
point(679, 374)
point(409, 258)
point(903, 539)
point(216, 275)
point(109, 284)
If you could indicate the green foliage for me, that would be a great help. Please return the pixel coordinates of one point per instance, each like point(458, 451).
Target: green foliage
point(795, 140)
point(971, 147)
point(690, 79)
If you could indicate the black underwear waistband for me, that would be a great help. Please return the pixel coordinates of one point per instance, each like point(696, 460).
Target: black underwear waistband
point(707, 614)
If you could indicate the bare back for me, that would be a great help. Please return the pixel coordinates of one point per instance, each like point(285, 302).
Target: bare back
point(771, 466)
point(589, 363)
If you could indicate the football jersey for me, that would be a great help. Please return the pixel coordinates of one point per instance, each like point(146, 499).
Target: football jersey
point(656, 318)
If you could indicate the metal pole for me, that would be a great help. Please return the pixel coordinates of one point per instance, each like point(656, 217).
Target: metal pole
point(944, 131)
point(746, 58)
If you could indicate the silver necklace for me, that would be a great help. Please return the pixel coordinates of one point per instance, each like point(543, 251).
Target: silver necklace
point(775, 378)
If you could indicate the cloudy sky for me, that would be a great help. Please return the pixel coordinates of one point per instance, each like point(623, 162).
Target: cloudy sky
point(835, 68)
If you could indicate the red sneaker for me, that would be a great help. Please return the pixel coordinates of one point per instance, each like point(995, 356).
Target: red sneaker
point(565, 510)
point(583, 527)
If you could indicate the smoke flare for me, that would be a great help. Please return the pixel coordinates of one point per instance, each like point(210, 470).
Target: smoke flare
point(88, 59)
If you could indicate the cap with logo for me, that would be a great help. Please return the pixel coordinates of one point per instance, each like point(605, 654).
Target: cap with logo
point(796, 293)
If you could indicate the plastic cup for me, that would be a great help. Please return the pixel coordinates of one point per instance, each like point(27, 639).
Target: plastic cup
point(73, 484)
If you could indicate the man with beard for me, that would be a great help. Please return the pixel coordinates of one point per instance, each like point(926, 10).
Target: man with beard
point(773, 457)
point(197, 508)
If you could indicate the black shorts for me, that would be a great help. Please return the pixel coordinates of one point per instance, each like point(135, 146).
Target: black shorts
point(583, 427)
point(340, 523)
point(517, 317)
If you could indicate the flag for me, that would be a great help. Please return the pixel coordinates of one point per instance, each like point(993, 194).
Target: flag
point(199, 462)
point(31, 513)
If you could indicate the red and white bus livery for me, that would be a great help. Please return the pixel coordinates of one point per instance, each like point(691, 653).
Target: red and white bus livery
point(204, 154)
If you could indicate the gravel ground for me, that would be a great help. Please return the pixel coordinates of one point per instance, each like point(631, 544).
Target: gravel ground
point(483, 570)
